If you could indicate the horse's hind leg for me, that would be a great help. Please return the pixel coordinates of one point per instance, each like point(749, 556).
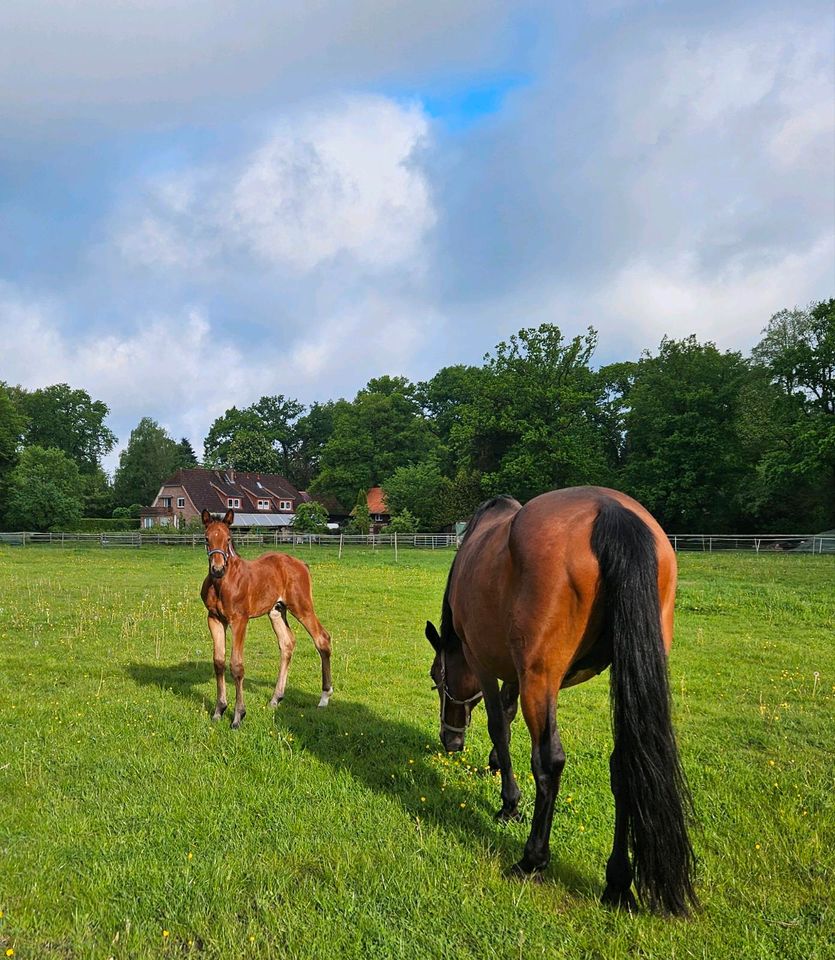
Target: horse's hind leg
point(322, 641)
point(218, 632)
point(286, 646)
point(510, 704)
point(498, 726)
point(618, 892)
point(539, 706)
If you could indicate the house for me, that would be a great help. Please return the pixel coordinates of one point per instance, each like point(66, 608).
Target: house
point(380, 516)
point(258, 499)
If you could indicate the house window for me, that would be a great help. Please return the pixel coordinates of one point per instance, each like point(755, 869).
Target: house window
point(233, 502)
point(263, 504)
point(285, 504)
point(165, 502)
point(147, 521)
point(181, 502)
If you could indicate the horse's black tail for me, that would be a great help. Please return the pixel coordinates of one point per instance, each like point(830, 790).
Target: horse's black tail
point(651, 782)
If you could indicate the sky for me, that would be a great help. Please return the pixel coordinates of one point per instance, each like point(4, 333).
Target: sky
point(204, 203)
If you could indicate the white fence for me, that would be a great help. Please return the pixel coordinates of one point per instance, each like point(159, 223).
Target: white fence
point(700, 542)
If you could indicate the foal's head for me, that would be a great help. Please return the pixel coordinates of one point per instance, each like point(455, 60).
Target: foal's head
point(218, 542)
point(457, 685)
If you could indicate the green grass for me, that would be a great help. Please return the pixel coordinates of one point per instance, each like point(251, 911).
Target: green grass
point(125, 813)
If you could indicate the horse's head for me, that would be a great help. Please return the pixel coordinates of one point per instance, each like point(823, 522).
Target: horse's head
point(457, 685)
point(218, 542)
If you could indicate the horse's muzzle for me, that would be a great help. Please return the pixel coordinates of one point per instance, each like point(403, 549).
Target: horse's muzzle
point(217, 574)
point(452, 742)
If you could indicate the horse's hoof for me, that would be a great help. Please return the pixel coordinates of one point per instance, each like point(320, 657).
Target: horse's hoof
point(619, 900)
point(505, 816)
point(237, 720)
point(219, 711)
point(524, 870)
point(324, 699)
point(274, 703)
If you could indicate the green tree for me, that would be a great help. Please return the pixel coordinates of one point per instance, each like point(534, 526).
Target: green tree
point(360, 515)
point(682, 450)
point(382, 429)
point(149, 459)
point(250, 450)
point(273, 418)
point(311, 517)
point(186, 457)
point(791, 425)
point(98, 494)
point(313, 430)
point(45, 491)
point(422, 492)
point(69, 420)
point(536, 421)
point(403, 522)
point(12, 429)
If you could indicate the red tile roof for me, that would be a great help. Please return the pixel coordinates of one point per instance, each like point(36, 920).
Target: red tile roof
point(377, 501)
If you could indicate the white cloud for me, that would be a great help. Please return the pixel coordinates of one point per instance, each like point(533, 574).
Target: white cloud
point(336, 180)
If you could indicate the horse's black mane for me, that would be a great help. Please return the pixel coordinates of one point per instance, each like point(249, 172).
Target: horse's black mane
point(449, 637)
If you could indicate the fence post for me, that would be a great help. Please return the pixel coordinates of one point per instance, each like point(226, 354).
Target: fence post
point(340, 545)
point(395, 546)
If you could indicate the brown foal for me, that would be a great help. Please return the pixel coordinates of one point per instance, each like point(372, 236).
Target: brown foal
point(235, 590)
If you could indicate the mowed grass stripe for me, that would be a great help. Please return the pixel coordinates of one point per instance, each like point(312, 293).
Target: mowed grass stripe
point(132, 827)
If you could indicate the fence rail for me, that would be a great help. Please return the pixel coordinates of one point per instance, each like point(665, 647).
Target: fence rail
point(681, 542)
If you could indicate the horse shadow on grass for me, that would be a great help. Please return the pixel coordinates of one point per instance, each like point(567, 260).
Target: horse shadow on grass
point(391, 757)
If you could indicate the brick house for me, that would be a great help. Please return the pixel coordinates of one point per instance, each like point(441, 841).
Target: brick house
point(380, 516)
point(258, 499)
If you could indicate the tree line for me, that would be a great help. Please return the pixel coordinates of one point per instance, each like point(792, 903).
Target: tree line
point(708, 440)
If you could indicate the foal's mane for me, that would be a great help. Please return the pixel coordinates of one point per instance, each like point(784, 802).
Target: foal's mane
point(449, 637)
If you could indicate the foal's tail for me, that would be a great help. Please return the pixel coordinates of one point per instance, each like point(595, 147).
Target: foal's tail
point(650, 781)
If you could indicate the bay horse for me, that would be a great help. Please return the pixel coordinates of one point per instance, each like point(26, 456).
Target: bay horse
point(546, 596)
point(235, 590)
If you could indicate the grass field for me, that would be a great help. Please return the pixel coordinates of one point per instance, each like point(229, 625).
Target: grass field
point(132, 827)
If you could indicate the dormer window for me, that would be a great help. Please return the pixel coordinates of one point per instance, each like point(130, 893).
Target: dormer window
point(233, 502)
point(263, 504)
point(285, 504)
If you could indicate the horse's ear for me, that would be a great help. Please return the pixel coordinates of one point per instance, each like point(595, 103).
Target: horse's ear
point(229, 517)
point(206, 517)
point(432, 636)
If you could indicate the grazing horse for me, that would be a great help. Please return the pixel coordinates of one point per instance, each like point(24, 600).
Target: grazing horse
point(236, 590)
point(546, 596)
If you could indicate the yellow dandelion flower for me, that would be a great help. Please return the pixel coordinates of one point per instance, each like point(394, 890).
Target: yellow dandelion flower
point(771, 763)
point(462, 805)
point(423, 799)
point(10, 952)
point(252, 938)
point(411, 761)
point(756, 846)
point(190, 855)
point(165, 933)
point(582, 828)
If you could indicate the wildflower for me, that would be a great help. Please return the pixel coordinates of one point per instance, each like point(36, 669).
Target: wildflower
point(411, 761)
point(423, 799)
point(756, 846)
point(462, 805)
point(582, 828)
point(771, 763)
point(190, 855)
point(10, 952)
point(165, 933)
point(252, 938)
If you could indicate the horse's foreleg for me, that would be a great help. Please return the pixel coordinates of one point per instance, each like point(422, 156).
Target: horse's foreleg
point(236, 665)
point(510, 704)
point(539, 706)
point(286, 646)
point(218, 631)
point(322, 640)
point(498, 726)
point(618, 892)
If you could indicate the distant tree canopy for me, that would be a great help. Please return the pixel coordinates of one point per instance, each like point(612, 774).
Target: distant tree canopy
point(69, 420)
point(45, 491)
point(709, 440)
point(150, 457)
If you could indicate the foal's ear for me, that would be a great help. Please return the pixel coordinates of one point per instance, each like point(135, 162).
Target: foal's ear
point(206, 517)
point(432, 636)
point(228, 517)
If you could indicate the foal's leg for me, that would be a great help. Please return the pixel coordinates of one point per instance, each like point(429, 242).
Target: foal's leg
point(237, 667)
point(618, 892)
point(539, 706)
point(499, 729)
point(218, 632)
point(286, 646)
point(303, 611)
point(510, 703)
